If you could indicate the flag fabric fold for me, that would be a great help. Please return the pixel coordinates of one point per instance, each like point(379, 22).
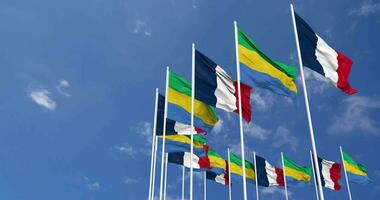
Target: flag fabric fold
point(219, 178)
point(331, 174)
point(184, 159)
point(236, 167)
point(218, 163)
point(268, 175)
point(356, 172)
point(181, 143)
point(296, 175)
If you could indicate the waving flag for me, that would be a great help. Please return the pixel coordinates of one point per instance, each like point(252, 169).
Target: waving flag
point(267, 175)
point(181, 143)
point(356, 172)
point(219, 178)
point(330, 171)
point(296, 175)
point(236, 166)
point(218, 163)
point(184, 159)
point(321, 58)
point(262, 71)
point(215, 87)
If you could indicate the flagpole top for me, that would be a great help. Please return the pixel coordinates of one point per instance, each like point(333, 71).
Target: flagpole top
point(156, 90)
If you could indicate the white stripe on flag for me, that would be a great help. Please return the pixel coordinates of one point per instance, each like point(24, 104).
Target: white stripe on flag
point(328, 58)
point(326, 166)
point(225, 91)
point(186, 160)
point(271, 174)
point(183, 129)
point(220, 179)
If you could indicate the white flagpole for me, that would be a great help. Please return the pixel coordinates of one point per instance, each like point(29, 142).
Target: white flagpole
point(183, 182)
point(164, 132)
point(256, 178)
point(166, 174)
point(192, 117)
point(153, 142)
point(314, 177)
point(345, 173)
point(154, 166)
point(229, 176)
point(240, 112)
point(314, 148)
point(204, 186)
point(283, 169)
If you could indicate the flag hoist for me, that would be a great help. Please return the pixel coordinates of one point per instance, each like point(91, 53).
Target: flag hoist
point(313, 145)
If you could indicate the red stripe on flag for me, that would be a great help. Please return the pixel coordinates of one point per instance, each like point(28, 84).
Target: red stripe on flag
point(198, 130)
point(280, 176)
point(344, 68)
point(335, 175)
point(204, 162)
point(245, 100)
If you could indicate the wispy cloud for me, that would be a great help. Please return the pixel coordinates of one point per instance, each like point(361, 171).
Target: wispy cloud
point(145, 129)
point(316, 83)
point(91, 185)
point(218, 127)
point(283, 136)
point(61, 86)
point(262, 99)
point(42, 98)
point(255, 131)
point(274, 190)
point(365, 9)
point(140, 27)
point(130, 180)
point(126, 149)
point(355, 114)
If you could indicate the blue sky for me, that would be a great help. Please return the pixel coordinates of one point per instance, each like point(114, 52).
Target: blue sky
point(78, 79)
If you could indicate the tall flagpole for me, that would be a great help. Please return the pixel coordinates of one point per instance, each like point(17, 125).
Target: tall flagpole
point(240, 112)
point(314, 148)
point(283, 169)
point(229, 175)
point(164, 132)
point(345, 173)
point(204, 186)
point(154, 166)
point(166, 174)
point(314, 177)
point(256, 177)
point(183, 182)
point(153, 142)
point(192, 117)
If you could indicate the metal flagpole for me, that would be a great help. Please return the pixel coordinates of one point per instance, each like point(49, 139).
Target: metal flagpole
point(153, 141)
point(240, 112)
point(183, 182)
point(314, 148)
point(345, 173)
point(166, 174)
point(154, 166)
point(229, 175)
point(164, 131)
point(257, 178)
point(315, 178)
point(192, 117)
point(204, 186)
point(283, 169)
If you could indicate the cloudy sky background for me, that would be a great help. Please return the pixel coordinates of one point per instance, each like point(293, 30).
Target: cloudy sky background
point(78, 80)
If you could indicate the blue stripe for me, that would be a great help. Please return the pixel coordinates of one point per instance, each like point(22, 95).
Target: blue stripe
point(211, 175)
point(290, 182)
point(205, 79)
point(308, 45)
point(173, 146)
point(320, 171)
point(176, 158)
point(261, 172)
point(362, 180)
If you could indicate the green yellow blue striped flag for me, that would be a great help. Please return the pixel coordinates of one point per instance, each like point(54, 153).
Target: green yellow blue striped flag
point(296, 175)
point(356, 172)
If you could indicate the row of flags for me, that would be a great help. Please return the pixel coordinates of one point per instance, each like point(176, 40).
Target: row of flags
point(215, 88)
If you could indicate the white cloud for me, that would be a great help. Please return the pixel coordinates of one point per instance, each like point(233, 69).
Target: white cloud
point(91, 185)
point(126, 149)
point(145, 129)
point(356, 115)
point(316, 83)
point(283, 136)
point(365, 9)
point(60, 87)
point(130, 180)
point(262, 99)
point(141, 27)
point(255, 131)
point(218, 127)
point(41, 97)
point(273, 190)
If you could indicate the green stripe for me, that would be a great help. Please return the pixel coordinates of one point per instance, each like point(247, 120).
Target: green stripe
point(351, 161)
point(235, 159)
point(248, 43)
point(214, 154)
point(291, 164)
point(198, 138)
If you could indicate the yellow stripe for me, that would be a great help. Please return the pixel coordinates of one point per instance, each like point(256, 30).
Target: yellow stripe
point(217, 162)
point(201, 110)
point(236, 169)
point(254, 61)
point(299, 176)
point(183, 139)
point(353, 170)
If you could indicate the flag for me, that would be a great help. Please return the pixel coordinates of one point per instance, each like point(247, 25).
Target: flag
point(181, 143)
point(267, 175)
point(320, 57)
point(296, 175)
point(218, 163)
point(179, 99)
point(172, 127)
point(219, 178)
point(262, 71)
point(215, 87)
point(330, 171)
point(356, 172)
point(236, 167)
point(184, 159)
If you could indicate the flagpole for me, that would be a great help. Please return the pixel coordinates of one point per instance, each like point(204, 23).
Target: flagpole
point(153, 141)
point(164, 131)
point(345, 173)
point(283, 169)
point(166, 174)
point(256, 177)
point(314, 178)
point(204, 186)
point(240, 112)
point(314, 148)
point(183, 182)
point(229, 175)
point(192, 117)
point(154, 166)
